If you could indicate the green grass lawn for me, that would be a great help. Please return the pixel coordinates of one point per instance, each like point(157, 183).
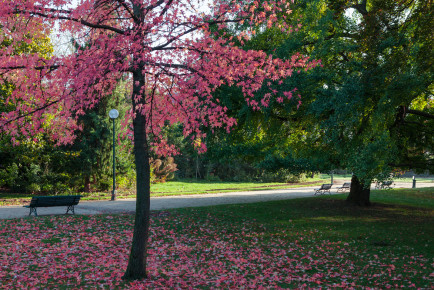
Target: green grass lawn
point(301, 243)
point(193, 186)
point(197, 187)
point(183, 187)
point(418, 179)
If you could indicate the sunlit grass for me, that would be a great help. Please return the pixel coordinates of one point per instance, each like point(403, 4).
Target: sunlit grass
point(195, 187)
point(170, 188)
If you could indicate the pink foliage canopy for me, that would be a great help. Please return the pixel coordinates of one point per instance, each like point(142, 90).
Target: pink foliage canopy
point(169, 41)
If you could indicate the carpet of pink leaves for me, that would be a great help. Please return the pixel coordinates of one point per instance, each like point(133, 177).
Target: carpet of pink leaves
point(77, 252)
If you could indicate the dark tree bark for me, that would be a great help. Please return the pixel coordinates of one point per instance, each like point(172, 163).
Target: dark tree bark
point(137, 261)
point(359, 194)
point(87, 183)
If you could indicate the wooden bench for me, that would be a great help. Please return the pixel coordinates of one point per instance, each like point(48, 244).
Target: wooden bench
point(324, 188)
point(48, 201)
point(384, 185)
point(344, 187)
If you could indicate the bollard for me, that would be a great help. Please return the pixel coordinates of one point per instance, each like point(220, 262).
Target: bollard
point(414, 182)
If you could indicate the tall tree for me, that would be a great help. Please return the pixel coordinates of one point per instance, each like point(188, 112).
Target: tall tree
point(369, 107)
point(173, 64)
point(382, 77)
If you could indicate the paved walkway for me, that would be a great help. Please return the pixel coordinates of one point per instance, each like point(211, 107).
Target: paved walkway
point(159, 203)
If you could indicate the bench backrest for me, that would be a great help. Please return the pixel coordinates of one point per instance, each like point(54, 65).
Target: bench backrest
point(55, 200)
point(347, 185)
point(326, 186)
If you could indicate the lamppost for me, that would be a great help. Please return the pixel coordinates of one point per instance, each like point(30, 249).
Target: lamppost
point(113, 115)
point(331, 179)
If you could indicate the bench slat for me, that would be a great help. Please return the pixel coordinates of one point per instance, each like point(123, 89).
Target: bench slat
point(47, 201)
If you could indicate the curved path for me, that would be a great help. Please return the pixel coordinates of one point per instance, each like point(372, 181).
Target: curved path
point(159, 203)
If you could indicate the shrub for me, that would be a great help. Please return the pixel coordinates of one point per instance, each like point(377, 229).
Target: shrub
point(33, 188)
point(162, 170)
point(282, 175)
point(212, 178)
point(9, 175)
point(105, 185)
point(61, 188)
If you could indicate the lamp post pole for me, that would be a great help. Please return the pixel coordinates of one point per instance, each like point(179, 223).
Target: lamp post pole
point(331, 181)
point(113, 115)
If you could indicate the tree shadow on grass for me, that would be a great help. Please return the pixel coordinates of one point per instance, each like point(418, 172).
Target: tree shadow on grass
point(327, 217)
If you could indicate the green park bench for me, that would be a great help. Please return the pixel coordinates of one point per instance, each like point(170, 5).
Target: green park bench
point(323, 189)
point(48, 201)
point(344, 187)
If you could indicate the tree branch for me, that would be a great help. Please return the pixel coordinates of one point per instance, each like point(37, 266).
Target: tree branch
point(191, 30)
point(414, 165)
point(153, 6)
point(29, 113)
point(361, 8)
point(420, 113)
point(166, 7)
point(128, 9)
point(50, 67)
point(81, 21)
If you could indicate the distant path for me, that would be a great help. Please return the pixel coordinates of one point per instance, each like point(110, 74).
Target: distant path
point(167, 202)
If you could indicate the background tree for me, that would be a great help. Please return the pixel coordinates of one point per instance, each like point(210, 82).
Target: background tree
point(26, 167)
point(172, 63)
point(92, 148)
point(37, 165)
point(368, 108)
point(381, 73)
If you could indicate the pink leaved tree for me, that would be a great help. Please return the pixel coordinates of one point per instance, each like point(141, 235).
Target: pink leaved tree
point(169, 51)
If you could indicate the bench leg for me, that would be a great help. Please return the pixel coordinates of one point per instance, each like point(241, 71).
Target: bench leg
point(33, 209)
point(70, 208)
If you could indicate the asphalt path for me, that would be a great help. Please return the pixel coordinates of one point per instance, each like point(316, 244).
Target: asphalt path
point(168, 202)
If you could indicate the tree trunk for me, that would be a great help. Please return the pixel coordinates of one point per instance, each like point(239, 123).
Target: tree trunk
point(359, 194)
point(87, 183)
point(137, 261)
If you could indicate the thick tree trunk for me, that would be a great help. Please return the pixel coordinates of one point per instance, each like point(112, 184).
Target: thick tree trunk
point(137, 261)
point(359, 194)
